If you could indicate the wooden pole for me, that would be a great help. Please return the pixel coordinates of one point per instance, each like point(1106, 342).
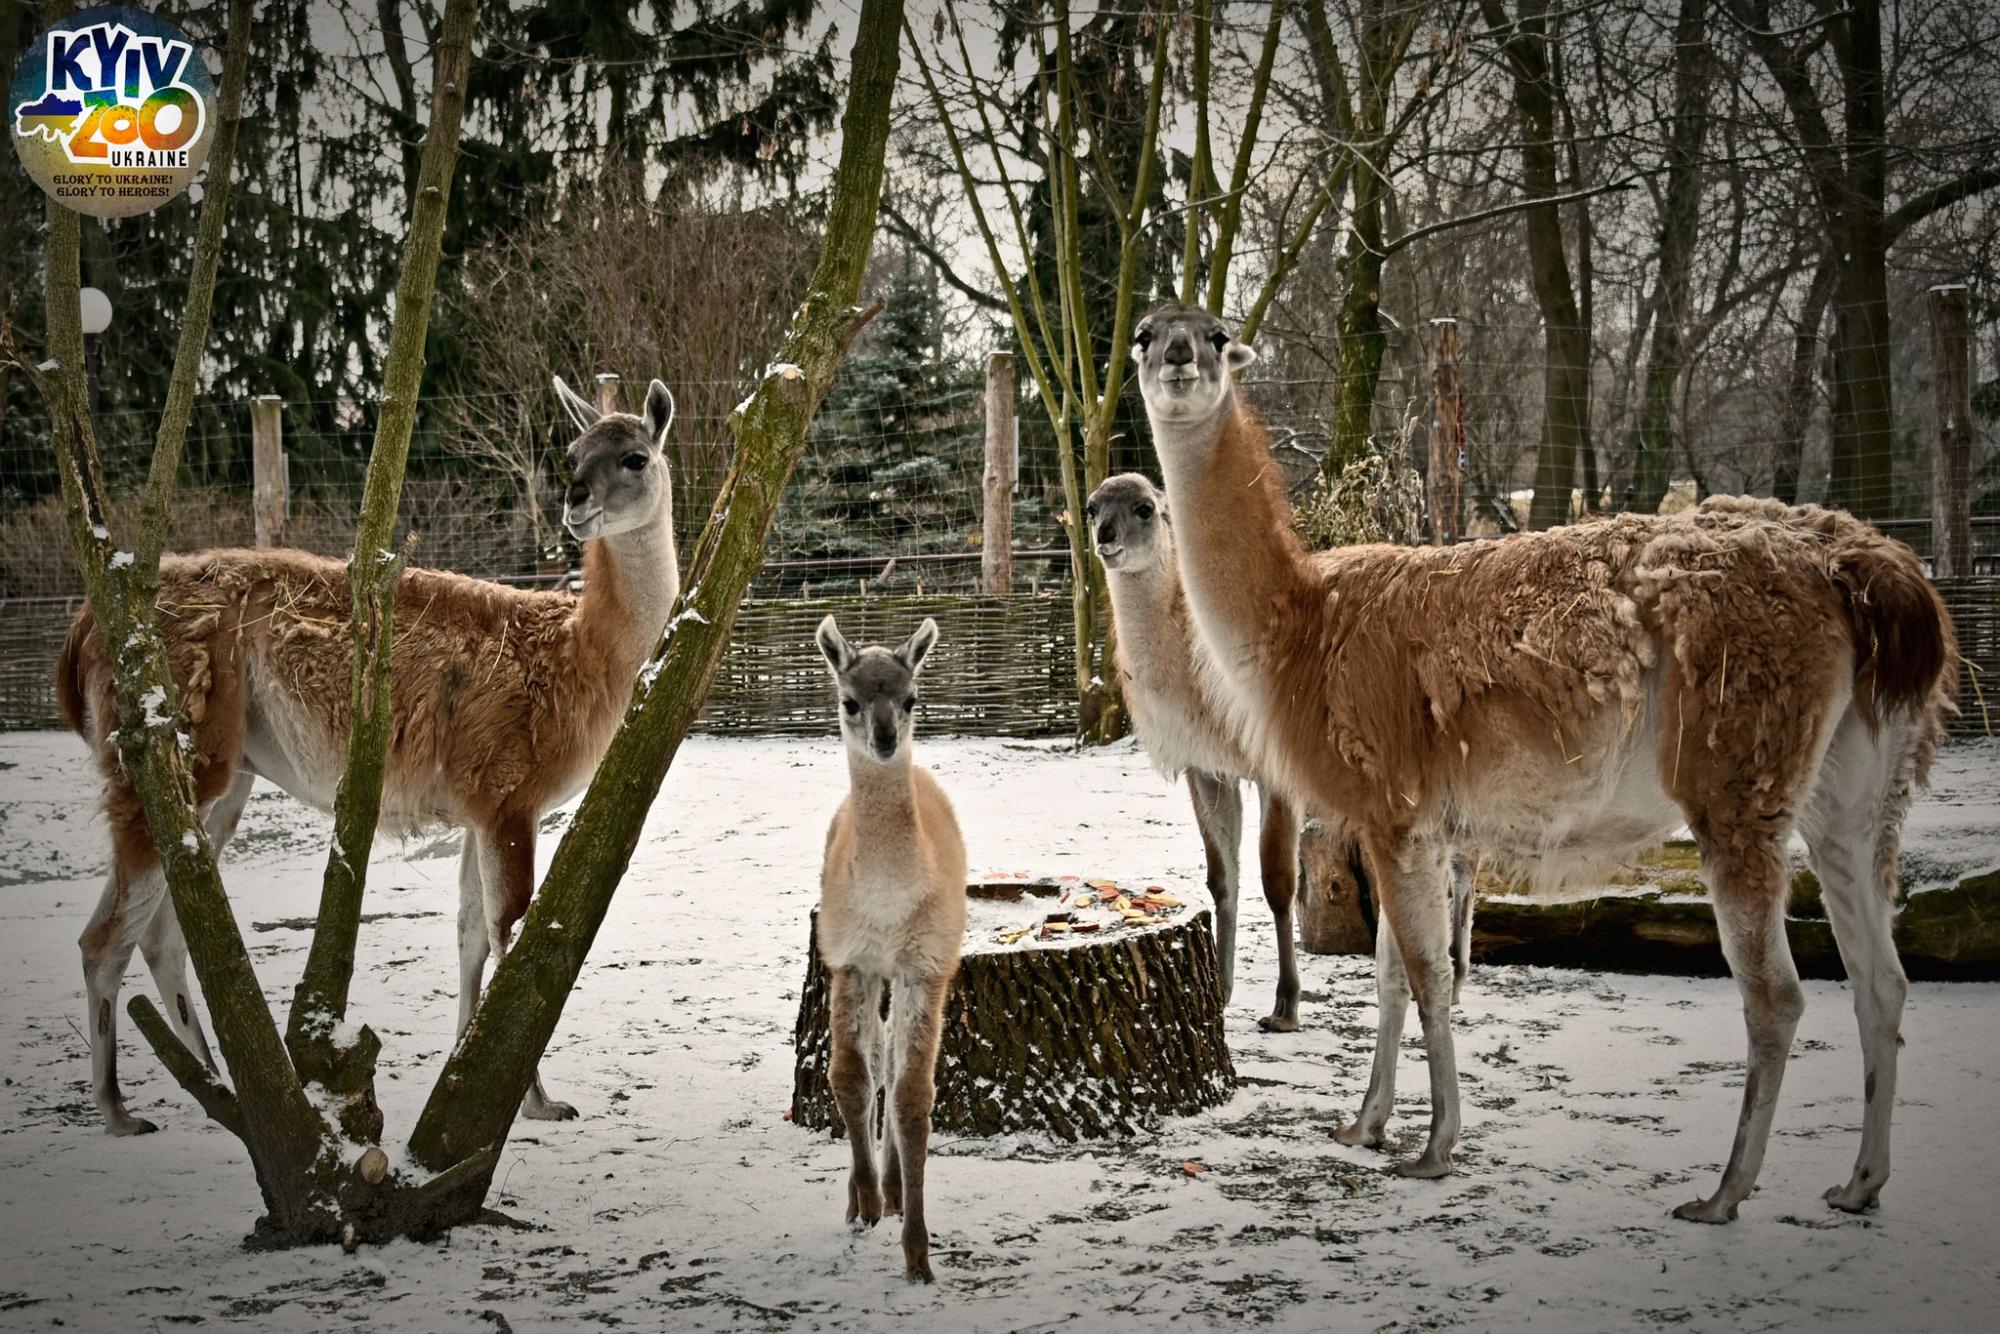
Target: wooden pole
point(267, 468)
point(1447, 435)
point(607, 392)
point(996, 552)
point(1951, 433)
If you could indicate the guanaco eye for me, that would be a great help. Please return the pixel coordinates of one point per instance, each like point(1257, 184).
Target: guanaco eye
point(1220, 339)
point(909, 703)
point(1144, 339)
point(633, 462)
point(1090, 511)
point(1144, 511)
point(851, 707)
point(569, 461)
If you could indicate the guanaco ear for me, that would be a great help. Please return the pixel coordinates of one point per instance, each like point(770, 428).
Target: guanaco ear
point(1239, 355)
point(834, 647)
point(659, 413)
point(582, 413)
point(918, 646)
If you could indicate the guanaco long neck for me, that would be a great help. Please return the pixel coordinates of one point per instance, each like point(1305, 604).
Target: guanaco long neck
point(630, 583)
point(882, 790)
point(1238, 556)
point(1151, 616)
point(884, 804)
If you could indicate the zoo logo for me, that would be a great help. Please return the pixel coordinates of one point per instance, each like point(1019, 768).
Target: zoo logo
point(111, 110)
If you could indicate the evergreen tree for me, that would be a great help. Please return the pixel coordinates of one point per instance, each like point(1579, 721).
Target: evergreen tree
point(897, 449)
point(559, 88)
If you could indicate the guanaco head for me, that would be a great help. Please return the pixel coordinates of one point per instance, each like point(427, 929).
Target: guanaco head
point(1128, 518)
point(878, 689)
point(1186, 358)
point(617, 467)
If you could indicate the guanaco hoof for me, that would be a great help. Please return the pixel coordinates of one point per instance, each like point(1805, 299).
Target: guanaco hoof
point(1425, 1168)
point(1706, 1211)
point(1359, 1136)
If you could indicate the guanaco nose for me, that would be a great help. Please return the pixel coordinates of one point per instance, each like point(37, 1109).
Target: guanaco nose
point(1106, 532)
point(1180, 349)
point(578, 493)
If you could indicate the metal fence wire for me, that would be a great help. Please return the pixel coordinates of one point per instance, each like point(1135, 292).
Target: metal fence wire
point(883, 522)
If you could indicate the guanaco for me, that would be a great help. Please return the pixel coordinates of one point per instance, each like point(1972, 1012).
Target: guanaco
point(891, 915)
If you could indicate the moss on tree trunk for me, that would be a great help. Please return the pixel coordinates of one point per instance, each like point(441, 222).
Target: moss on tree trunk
point(475, 1099)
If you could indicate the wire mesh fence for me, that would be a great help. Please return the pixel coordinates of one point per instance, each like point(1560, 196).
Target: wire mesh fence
point(886, 504)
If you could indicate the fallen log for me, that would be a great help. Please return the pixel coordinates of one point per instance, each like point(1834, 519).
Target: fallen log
point(1102, 1027)
point(1656, 919)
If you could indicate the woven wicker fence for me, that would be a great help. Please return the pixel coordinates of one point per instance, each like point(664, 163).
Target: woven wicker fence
point(1003, 666)
point(1975, 613)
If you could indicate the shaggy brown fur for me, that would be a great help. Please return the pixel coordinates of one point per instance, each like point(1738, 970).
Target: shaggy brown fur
point(1560, 700)
point(503, 701)
point(504, 698)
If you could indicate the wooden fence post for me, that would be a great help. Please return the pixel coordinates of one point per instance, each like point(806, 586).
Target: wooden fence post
point(1447, 435)
point(607, 392)
point(1951, 433)
point(996, 547)
point(268, 500)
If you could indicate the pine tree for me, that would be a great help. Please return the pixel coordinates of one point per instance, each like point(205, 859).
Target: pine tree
point(897, 448)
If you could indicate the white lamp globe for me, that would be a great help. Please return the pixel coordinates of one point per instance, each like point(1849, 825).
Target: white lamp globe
point(96, 310)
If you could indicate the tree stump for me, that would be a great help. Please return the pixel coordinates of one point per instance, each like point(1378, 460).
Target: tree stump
point(1336, 907)
point(1081, 1034)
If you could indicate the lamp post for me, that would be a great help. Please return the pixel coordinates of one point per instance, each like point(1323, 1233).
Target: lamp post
point(96, 314)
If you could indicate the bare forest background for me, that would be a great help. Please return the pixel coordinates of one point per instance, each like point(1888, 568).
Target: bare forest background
point(1687, 244)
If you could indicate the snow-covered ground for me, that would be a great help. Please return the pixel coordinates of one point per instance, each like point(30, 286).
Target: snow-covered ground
point(683, 1200)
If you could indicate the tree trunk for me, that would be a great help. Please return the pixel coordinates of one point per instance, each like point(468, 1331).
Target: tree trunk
point(1677, 244)
point(1951, 433)
point(474, 1102)
point(1080, 1041)
point(1863, 480)
point(1566, 371)
point(319, 1006)
point(1359, 369)
point(1789, 457)
point(282, 1133)
point(1362, 339)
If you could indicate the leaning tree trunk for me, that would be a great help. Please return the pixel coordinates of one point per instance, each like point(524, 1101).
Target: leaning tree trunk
point(1082, 1041)
point(473, 1105)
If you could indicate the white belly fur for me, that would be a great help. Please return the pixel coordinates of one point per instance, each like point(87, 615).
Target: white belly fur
point(875, 931)
point(286, 744)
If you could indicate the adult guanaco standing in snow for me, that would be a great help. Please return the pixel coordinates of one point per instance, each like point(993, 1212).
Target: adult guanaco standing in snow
point(1166, 689)
point(1563, 700)
point(891, 914)
point(504, 700)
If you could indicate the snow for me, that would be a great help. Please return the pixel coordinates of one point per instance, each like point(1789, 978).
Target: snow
point(683, 1200)
point(154, 703)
